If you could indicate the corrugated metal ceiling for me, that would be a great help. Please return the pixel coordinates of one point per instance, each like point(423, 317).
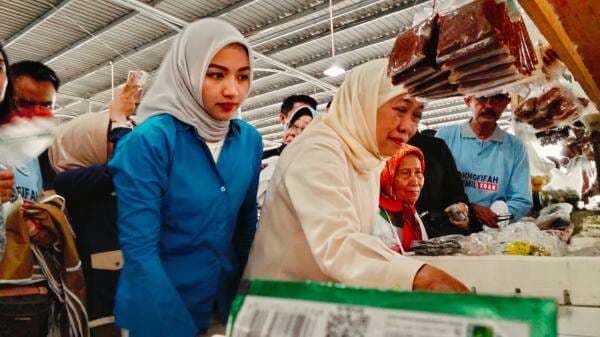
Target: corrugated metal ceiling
point(80, 38)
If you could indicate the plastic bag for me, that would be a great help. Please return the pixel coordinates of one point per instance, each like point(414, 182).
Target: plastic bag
point(465, 28)
point(514, 238)
point(554, 216)
point(538, 165)
point(413, 53)
point(478, 244)
point(6, 210)
point(552, 105)
point(23, 140)
point(568, 181)
point(443, 245)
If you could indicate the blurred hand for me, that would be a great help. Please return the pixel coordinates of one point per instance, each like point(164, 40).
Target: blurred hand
point(430, 278)
point(7, 181)
point(289, 136)
point(126, 100)
point(485, 215)
point(457, 212)
point(38, 234)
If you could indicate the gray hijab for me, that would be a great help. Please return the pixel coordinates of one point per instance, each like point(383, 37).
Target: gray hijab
point(177, 89)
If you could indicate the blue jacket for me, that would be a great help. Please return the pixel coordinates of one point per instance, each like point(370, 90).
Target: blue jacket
point(494, 169)
point(185, 224)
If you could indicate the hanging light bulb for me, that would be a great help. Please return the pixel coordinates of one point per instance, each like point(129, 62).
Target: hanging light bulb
point(334, 70)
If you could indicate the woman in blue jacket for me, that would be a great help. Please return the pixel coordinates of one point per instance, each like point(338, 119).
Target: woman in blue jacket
point(186, 182)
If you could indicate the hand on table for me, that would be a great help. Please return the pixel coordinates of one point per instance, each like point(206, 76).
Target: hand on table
point(430, 278)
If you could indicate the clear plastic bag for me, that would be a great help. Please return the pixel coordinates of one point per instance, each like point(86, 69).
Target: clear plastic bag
point(554, 216)
point(551, 105)
point(525, 238)
point(6, 210)
point(479, 244)
point(412, 55)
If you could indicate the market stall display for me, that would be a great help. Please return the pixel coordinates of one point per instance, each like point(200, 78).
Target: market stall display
point(555, 107)
point(480, 46)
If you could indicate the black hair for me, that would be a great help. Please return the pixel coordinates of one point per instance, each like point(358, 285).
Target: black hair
point(328, 104)
point(288, 102)
point(429, 132)
point(5, 104)
point(36, 70)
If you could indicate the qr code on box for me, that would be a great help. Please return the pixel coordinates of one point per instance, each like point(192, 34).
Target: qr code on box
point(347, 322)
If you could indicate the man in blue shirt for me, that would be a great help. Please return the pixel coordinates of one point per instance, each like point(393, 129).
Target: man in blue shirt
point(493, 163)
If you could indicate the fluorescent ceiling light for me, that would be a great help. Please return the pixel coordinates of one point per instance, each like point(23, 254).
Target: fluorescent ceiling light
point(334, 71)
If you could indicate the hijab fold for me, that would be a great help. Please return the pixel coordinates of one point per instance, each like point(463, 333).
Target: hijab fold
point(353, 112)
point(177, 89)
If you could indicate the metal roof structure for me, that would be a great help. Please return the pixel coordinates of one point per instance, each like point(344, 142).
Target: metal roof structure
point(92, 44)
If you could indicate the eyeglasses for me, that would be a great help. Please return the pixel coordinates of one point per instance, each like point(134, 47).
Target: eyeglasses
point(496, 99)
point(26, 104)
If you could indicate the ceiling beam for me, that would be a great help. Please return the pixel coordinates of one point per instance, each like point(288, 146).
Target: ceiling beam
point(163, 39)
point(339, 52)
point(37, 22)
point(261, 30)
point(141, 6)
point(96, 34)
point(152, 11)
point(316, 21)
point(238, 5)
point(353, 24)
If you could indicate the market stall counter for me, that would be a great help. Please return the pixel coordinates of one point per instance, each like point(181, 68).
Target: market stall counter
point(572, 280)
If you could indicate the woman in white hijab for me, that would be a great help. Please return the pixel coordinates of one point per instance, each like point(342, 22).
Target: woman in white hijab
point(317, 222)
point(186, 181)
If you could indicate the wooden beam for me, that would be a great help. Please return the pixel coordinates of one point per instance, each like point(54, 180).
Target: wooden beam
point(573, 30)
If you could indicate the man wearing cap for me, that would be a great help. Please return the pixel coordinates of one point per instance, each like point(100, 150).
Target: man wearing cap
point(294, 123)
point(493, 164)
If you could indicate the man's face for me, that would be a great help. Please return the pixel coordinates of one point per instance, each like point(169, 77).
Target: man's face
point(488, 109)
point(296, 129)
point(29, 93)
point(283, 117)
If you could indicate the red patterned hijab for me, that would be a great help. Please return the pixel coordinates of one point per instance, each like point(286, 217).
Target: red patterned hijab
point(387, 197)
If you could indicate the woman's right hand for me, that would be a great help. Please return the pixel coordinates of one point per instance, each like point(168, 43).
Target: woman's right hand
point(430, 278)
point(7, 181)
point(124, 104)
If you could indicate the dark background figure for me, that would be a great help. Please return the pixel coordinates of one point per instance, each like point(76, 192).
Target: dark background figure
point(290, 103)
point(443, 187)
point(84, 181)
point(31, 87)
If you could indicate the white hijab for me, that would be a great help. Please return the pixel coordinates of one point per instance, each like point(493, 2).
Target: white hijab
point(177, 89)
point(353, 112)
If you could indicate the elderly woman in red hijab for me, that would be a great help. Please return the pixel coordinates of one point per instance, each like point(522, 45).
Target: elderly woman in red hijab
point(401, 183)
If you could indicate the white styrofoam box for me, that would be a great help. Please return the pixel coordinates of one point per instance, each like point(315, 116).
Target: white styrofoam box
point(528, 275)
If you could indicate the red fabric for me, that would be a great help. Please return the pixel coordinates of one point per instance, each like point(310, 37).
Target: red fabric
point(27, 113)
point(411, 230)
point(387, 197)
